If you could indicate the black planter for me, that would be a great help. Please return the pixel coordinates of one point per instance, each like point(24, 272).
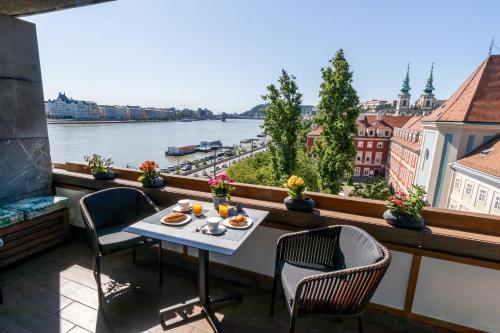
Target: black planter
point(153, 182)
point(301, 205)
point(403, 220)
point(108, 175)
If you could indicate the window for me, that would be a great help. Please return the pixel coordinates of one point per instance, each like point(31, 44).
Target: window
point(371, 132)
point(380, 145)
point(457, 184)
point(371, 172)
point(404, 102)
point(369, 144)
point(387, 132)
point(360, 144)
point(359, 156)
point(469, 188)
point(427, 103)
point(361, 132)
point(366, 171)
point(482, 194)
point(496, 203)
point(426, 157)
point(357, 171)
point(368, 157)
point(378, 156)
point(452, 205)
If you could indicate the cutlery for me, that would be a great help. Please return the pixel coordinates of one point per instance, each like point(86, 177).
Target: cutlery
point(201, 227)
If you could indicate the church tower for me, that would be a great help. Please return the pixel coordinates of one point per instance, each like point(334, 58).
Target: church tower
point(403, 104)
point(427, 100)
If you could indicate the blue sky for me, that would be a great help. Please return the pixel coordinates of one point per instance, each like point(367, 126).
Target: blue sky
point(222, 54)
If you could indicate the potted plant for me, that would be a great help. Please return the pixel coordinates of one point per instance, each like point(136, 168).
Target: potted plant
point(99, 166)
point(405, 209)
point(295, 199)
point(220, 187)
point(150, 175)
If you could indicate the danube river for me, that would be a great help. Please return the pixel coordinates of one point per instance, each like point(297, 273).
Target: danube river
point(128, 144)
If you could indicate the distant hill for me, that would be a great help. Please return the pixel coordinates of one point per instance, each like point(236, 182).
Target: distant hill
point(258, 111)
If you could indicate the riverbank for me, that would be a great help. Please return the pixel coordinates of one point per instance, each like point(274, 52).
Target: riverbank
point(76, 122)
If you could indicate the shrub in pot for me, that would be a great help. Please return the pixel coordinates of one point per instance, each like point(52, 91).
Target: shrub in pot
point(150, 174)
point(99, 166)
point(405, 210)
point(296, 199)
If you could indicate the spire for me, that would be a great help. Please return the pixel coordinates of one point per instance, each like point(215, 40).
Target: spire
point(405, 89)
point(429, 87)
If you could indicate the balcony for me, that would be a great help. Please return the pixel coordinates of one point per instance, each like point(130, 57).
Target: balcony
point(424, 290)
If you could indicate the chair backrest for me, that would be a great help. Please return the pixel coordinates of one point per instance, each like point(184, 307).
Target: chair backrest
point(120, 205)
point(356, 248)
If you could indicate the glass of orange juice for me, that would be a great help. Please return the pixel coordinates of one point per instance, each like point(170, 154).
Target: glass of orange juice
point(197, 208)
point(224, 210)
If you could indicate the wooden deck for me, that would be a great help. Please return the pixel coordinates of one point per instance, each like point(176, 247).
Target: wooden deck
point(56, 292)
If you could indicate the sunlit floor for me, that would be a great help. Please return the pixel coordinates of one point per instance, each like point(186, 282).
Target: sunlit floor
point(56, 292)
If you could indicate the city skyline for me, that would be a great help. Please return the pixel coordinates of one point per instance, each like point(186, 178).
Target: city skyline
point(223, 55)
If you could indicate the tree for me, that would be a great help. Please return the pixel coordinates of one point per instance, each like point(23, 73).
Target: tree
point(337, 113)
point(282, 124)
point(376, 188)
point(305, 128)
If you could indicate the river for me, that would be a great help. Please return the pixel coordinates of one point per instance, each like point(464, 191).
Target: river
point(129, 144)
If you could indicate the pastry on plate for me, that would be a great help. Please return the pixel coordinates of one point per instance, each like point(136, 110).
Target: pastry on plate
point(174, 217)
point(238, 221)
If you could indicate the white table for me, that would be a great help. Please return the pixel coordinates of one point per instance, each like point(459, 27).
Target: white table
point(225, 244)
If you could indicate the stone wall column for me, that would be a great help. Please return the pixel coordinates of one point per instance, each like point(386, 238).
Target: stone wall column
point(25, 166)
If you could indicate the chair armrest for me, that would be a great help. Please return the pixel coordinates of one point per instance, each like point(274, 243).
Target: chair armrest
point(315, 246)
point(343, 291)
point(91, 231)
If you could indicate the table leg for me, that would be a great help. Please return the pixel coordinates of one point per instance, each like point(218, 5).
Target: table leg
point(204, 300)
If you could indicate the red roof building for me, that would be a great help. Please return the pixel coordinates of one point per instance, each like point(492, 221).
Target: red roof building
point(371, 142)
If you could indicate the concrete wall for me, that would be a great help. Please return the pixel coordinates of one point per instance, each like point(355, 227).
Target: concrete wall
point(24, 144)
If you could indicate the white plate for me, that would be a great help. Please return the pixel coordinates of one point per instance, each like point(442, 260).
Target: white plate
point(178, 209)
point(182, 222)
point(219, 231)
point(247, 224)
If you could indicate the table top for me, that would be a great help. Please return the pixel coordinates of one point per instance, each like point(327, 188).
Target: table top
point(227, 243)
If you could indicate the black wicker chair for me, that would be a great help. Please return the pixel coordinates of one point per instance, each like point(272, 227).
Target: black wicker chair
point(105, 214)
point(330, 272)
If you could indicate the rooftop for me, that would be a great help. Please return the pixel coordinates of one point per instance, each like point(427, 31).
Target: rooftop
point(30, 7)
point(485, 158)
point(477, 99)
point(370, 121)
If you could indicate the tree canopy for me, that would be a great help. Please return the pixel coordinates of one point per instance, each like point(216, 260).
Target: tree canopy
point(337, 113)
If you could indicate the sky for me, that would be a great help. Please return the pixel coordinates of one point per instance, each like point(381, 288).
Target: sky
point(223, 54)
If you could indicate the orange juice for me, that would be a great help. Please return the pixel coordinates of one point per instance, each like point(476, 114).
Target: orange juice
point(197, 208)
point(224, 210)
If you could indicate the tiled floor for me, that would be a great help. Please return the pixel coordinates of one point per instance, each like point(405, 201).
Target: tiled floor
point(56, 292)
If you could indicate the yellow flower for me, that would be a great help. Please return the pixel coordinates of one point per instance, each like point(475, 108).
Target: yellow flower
point(295, 182)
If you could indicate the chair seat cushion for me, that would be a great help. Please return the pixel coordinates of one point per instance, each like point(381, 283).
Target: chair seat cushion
point(37, 206)
point(8, 217)
point(113, 239)
point(292, 273)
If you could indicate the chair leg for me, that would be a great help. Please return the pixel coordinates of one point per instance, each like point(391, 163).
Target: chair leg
point(97, 277)
point(292, 324)
point(273, 295)
point(134, 259)
point(160, 261)
point(360, 324)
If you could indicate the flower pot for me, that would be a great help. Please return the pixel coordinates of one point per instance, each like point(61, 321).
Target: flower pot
point(301, 205)
point(403, 220)
point(108, 175)
point(218, 200)
point(153, 182)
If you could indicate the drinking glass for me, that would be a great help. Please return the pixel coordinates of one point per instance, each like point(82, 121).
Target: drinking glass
point(223, 210)
point(197, 208)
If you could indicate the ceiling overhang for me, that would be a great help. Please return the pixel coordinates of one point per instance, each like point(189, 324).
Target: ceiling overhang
point(31, 7)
